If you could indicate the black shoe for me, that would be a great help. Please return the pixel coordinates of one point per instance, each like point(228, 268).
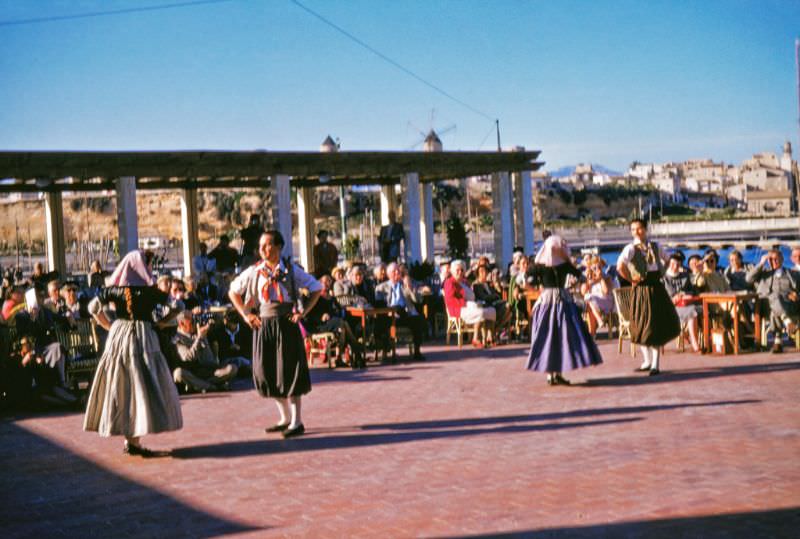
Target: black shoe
point(654, 372)
point(277, 428)
point(419, 357)
point(777, 348)
point(641, 369)
point(299, 430)
point(560, 380)
point(134, 450)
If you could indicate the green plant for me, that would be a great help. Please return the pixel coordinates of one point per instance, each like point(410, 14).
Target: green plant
point(351, 247)
point(457, 240)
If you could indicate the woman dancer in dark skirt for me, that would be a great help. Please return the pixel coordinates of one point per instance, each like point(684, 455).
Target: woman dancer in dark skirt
point(280, 368)
point(654, 320)
point(560, 340)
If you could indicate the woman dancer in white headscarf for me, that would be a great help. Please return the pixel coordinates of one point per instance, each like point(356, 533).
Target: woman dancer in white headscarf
point(560, 340)
point(133, 393)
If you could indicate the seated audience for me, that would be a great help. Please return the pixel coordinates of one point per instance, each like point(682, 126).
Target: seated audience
point(206, 291)
point(73, 307)
point(459, 299)
point(54, 301)
point(736, 272)
point(488, 292)
point(341, 286)
point(14, 301)
point(400, 294)
point(234, 342)
point(695, 269)
point(199, 368)
point(327, 316)
point(677, 282)
point(780, 288)
point(597, 293)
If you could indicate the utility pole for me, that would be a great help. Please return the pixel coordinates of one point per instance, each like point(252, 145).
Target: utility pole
point(797, 66)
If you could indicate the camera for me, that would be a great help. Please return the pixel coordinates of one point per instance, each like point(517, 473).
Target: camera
point(203, 318)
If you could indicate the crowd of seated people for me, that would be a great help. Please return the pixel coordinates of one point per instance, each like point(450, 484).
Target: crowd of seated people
point(206, 356)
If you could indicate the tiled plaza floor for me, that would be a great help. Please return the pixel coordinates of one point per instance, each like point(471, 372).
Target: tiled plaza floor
point(466, 444)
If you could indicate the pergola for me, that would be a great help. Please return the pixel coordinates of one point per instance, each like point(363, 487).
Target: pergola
point(187, 171)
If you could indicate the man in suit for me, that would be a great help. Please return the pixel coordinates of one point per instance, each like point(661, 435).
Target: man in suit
point(389, 239)
point(398, 292)
point(778, 286)
point(326, 256)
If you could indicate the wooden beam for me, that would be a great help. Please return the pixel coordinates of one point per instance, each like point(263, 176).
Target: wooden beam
point(216, 164)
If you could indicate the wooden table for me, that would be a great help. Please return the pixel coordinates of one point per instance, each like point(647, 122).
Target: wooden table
point(735, 299)
point(372, 312)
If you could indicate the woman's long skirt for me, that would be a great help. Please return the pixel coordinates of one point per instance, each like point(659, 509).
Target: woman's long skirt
point(133, 392)
point(560, 340)
point(654, 320)
point(280, 367)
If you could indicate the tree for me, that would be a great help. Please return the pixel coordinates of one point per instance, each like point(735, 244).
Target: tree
point(443, 195)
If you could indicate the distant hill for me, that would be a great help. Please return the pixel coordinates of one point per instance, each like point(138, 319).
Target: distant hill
point(569, 171)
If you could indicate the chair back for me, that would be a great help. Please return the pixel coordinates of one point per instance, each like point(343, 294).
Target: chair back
point(347, 300)
point(79, 341)
point(623, 299)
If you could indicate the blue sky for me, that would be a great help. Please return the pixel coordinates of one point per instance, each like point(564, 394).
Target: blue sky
point(583, 81)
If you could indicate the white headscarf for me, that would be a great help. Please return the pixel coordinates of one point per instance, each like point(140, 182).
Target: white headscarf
point(131, 271)
point(554, 252)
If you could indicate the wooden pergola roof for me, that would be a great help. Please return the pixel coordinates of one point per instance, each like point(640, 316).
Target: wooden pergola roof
point(91, 171)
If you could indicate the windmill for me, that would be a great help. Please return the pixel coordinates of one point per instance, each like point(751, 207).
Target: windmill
point(430, 140)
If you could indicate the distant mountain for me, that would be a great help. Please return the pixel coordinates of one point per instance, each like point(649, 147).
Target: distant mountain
point(569, 171)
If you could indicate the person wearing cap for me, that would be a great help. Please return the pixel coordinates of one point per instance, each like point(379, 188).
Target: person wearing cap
point(266, 297)
point(199, 367)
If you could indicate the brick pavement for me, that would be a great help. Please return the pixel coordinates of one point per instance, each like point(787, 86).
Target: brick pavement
point(466, 444)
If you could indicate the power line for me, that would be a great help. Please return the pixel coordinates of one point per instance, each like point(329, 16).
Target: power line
point(90, 14)
point(396, 64)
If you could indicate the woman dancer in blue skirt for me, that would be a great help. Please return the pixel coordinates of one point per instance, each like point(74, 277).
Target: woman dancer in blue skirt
point(560, 340)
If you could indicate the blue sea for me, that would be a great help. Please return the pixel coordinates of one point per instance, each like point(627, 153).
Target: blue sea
point(750, 256)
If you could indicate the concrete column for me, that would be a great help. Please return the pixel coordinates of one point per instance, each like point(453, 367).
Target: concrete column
point(523, 202)
point(503, 218)
point(189, 228)
point(56, 247)
point(426, 221)
point(305, 226)
point(282, 210)
point(411, 216)
point(388, 203)
point(127, 220)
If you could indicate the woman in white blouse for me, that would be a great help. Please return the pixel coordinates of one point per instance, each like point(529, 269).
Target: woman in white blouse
point(654, 321)
point(266, 296)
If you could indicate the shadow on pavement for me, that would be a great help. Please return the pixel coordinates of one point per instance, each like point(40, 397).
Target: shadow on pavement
point(550, 416)
point(247, 448)
point(775, 523)
point(50, 492)
point(690, 374)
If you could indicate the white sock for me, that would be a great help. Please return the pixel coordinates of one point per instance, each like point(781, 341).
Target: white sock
point(294, 406)
point(645, 357)
point(655, 352)
point(283, 409)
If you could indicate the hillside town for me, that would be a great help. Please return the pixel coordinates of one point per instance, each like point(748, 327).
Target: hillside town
point(764, 185)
